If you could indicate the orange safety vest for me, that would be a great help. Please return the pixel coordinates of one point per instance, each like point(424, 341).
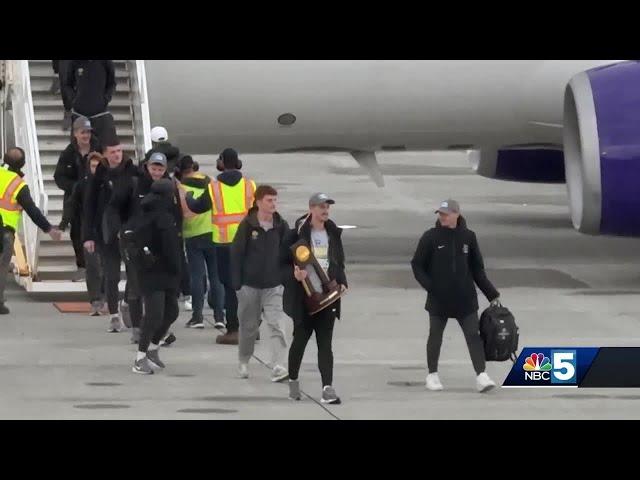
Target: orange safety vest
point(230, 206)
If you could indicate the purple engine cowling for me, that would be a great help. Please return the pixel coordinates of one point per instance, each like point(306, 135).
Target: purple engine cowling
point(530, 164)
point(602, 149)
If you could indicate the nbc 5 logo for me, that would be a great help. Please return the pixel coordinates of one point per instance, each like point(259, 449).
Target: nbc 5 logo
point(560, 368)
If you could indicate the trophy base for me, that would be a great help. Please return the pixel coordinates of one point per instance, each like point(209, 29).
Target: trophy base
point(318, 302)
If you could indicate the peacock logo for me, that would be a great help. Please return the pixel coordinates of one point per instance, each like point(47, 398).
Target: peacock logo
point(537, 362)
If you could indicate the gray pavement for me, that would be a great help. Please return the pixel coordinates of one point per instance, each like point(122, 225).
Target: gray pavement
point(565, 289)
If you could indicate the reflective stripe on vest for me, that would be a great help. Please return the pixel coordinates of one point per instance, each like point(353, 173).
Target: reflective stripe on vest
point(195, 224)
point(230, 206)
point(10, 185)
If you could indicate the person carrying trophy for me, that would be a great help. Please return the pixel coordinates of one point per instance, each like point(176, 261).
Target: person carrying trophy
point(314, 279)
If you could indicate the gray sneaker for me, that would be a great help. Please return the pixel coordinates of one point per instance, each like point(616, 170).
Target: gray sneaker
point(142, 366)
point(329, 395)
point(115, 324)
point(154, 359)
point(135, 336)
point(95, 309)
point(294, 390)
point(79, 275)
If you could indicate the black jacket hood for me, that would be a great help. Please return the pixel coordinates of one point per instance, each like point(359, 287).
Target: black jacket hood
point(197, 181)
point(230, 177)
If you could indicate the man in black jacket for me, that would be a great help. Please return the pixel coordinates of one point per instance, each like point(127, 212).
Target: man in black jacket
point(257, 277)
point(69, 170)
point(101, 224)
point(324, 237)
point(90, 84)
point(448, 265)
point(160, 143)
point(159, 270)
point(73, 208)
point(60, 68)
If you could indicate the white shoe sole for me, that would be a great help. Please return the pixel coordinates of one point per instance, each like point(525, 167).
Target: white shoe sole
point(280, 378)
point(197, 327)
point(219, 326)
point(486, 388)
point(334, 400)
point(435, 389)
point(140, 372)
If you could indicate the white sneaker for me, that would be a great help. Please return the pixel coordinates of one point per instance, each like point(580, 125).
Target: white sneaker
point(279, 373)
point(484, 383)
point(433, 382)
point(243, 370)
point(188, 305)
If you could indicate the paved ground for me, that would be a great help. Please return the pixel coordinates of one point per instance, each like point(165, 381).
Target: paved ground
point(566, 289)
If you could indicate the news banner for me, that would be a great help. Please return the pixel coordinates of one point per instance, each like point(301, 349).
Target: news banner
point(579, 367)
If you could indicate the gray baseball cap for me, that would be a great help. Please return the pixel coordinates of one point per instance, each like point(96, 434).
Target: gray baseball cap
point(320, 198)
point(82, 123)
point(158, 158)
point(449, 206)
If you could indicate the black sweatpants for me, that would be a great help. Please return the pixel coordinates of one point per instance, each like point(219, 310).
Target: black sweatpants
point(62, 76)
point(76, 239)
point(471, 329)
point(321, 323)
point(223, 255)
point(161, 310)
point(111, 260)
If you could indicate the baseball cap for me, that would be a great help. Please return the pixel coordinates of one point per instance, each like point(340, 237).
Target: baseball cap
point(158, 158)
point(449, 206)
point(159, 134)
point(82, 123)
point(320, 198)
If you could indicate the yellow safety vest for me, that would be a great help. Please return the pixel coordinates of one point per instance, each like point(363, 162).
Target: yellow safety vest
point(194, 224)
point(10, 186)
point(230, 206)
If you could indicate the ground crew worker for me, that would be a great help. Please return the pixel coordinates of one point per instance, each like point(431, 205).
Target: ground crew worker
point(14, 198)
point(231, 196)
point(257, 277)
point(448, 264)
point(198, 240)
point(69, 170)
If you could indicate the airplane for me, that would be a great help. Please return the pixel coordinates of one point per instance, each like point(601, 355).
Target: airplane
point(552, 121)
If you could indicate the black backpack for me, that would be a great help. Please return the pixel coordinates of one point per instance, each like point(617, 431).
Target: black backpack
point(499, 334)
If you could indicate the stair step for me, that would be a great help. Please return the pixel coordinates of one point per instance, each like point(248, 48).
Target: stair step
point(58, 132)
point(41, 86)
point(59, 146)
point(44, 116)
point(62, 286)
point(56, 102)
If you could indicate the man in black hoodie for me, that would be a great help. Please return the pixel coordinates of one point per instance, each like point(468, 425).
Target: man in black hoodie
point(257, 277)
point(90, 85)
point(448, 265)
point(60, 69)
point(159, 270)
point(324, 237)
point(101, 224)
point(160, 143)
point(69, 170)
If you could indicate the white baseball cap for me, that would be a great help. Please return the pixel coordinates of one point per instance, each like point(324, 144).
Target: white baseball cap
point(159, 134)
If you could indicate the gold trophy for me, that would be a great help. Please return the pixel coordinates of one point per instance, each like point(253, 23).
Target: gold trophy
point(315, 301)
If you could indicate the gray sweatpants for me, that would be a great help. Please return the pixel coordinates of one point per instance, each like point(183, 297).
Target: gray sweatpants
point(251, 303)
point(5, 260)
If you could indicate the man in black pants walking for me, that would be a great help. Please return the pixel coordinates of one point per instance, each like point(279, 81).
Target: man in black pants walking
point(324, 236)
point(159, 266)
point(448, 264)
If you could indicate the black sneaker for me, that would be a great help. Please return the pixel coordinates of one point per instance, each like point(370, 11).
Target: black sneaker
point(154, 359)
point(195, 323)
point(3, 309)
point(219, 322)
point(168, 340)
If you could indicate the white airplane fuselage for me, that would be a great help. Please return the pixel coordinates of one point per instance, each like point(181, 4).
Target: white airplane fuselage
point(365, 105)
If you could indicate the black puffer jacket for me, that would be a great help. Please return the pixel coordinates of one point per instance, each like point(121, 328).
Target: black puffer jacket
point(448, 264)
point(165, 245)
point(100, 188)
point(255, 254)
point(71, 166)
point(293, 297)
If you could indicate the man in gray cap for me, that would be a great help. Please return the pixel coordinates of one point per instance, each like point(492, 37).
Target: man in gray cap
point(324, 237)
point(448, 265)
